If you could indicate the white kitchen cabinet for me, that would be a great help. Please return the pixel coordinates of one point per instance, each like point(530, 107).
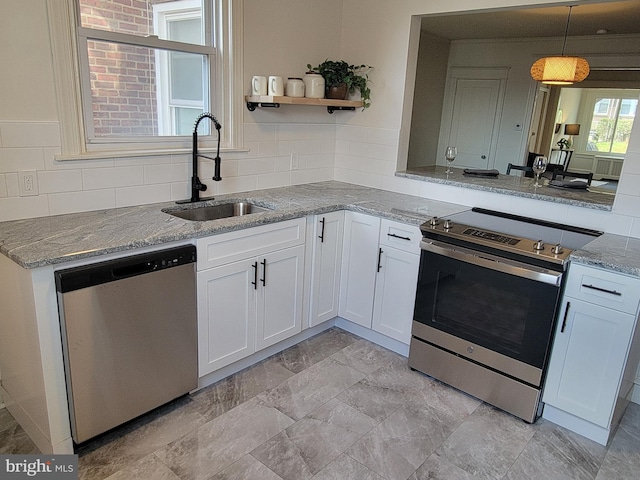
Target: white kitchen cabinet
point(359, 266)
point(280, 291)
point(595, 352)
point(379, 274)
point(250, 294)
point(396, 281)
point(226, 315)
point(326, 261)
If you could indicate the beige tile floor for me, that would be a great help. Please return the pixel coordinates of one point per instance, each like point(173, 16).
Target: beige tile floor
point(336, 407)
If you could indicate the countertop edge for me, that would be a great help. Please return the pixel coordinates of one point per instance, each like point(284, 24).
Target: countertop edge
point(45, 241)
point(52, 241)
point(554, 195)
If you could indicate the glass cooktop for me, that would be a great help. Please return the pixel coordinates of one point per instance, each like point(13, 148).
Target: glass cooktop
point(510, 233)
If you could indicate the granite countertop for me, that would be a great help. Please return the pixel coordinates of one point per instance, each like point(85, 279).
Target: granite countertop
point(514, 185)
point(611, 252)
point(37, 242)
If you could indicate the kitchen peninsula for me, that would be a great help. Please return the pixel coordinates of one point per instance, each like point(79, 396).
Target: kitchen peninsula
point(514, 185)
point(34, 248)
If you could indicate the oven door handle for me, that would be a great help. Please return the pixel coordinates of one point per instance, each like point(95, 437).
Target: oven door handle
point(493, 262)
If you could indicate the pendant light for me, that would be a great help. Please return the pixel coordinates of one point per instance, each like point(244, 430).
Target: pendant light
point(560, 70)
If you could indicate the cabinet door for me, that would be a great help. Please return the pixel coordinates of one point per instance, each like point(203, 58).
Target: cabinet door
point(587, 360)
point(226, 315)
point(359, 266)
point(279, 302)
point(395, 293)
point(327, 255)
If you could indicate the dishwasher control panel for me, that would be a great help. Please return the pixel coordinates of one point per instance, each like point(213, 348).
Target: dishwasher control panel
point(120, 268)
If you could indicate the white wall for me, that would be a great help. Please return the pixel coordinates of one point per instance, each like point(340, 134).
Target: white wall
point(26, 83)
point(428, 99)
point(281, 36)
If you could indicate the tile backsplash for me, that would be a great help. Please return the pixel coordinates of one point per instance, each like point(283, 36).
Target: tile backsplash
point(83, 185)
point(278, 155)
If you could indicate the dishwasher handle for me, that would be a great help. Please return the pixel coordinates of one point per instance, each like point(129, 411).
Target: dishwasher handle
point(112, 270)
point(133, 270)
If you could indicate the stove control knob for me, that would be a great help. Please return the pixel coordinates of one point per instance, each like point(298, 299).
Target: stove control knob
point(557, 249)
point(539, 245)
point(448, 224)
point(434, 221)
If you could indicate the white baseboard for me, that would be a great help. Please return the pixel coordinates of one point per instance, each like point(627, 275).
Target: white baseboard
point(235, 367)
point(373, 336)
point(577, 425)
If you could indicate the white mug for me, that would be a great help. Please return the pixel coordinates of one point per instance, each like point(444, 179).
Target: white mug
point(276, 86)
point(259, 85)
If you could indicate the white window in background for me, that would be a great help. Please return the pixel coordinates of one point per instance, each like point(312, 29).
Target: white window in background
point(608, 115)
point(180, 77)
point(143, 71)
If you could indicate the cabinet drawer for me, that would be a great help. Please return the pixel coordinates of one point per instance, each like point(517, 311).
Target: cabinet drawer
point(609, 289)
point(234, 246)
point(400, 235)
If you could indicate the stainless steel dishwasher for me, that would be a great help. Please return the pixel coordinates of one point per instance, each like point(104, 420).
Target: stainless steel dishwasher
point(129, 333)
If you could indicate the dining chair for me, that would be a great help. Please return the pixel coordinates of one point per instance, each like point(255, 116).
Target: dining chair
point(569, 175)
point(523, 168)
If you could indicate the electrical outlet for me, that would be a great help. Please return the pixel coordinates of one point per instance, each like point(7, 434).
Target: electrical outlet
point(28, 183)
point(294, 161)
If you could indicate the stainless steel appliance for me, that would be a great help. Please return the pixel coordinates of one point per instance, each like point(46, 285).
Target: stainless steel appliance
point(129, 336)
point(487, 298)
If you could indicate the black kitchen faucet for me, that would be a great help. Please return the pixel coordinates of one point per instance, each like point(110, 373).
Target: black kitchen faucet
point(196, 185)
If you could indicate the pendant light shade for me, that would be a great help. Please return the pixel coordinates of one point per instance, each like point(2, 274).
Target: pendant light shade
point(560, 70)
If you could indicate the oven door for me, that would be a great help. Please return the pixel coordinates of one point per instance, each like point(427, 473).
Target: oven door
point(501, 305)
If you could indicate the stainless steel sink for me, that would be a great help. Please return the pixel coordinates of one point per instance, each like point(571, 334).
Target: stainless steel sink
point(217, 212)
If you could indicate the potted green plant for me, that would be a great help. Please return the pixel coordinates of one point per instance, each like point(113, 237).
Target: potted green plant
point(342, 79)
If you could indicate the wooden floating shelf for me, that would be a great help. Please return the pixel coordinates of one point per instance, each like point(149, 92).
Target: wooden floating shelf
point(275, 102)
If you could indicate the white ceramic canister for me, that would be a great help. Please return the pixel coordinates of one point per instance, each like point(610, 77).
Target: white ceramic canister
point(313, 85)
point(294, 87)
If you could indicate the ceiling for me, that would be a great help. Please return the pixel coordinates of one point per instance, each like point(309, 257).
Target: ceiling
point(622, 17)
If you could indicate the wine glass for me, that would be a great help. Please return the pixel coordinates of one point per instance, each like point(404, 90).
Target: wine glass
point(450, 154)
point(539, 166)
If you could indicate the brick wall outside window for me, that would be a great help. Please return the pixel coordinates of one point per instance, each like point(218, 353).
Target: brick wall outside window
point(123, 84)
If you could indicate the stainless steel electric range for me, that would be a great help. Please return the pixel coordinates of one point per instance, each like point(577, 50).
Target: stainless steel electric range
point(486, 303)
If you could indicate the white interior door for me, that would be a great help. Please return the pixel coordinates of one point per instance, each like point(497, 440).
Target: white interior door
point(473, 110)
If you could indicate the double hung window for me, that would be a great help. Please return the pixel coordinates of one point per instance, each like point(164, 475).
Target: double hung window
point(146, 70)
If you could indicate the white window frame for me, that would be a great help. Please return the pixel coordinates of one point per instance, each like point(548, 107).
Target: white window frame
point(226, 94)
point(162, 14)
point(587, 104)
